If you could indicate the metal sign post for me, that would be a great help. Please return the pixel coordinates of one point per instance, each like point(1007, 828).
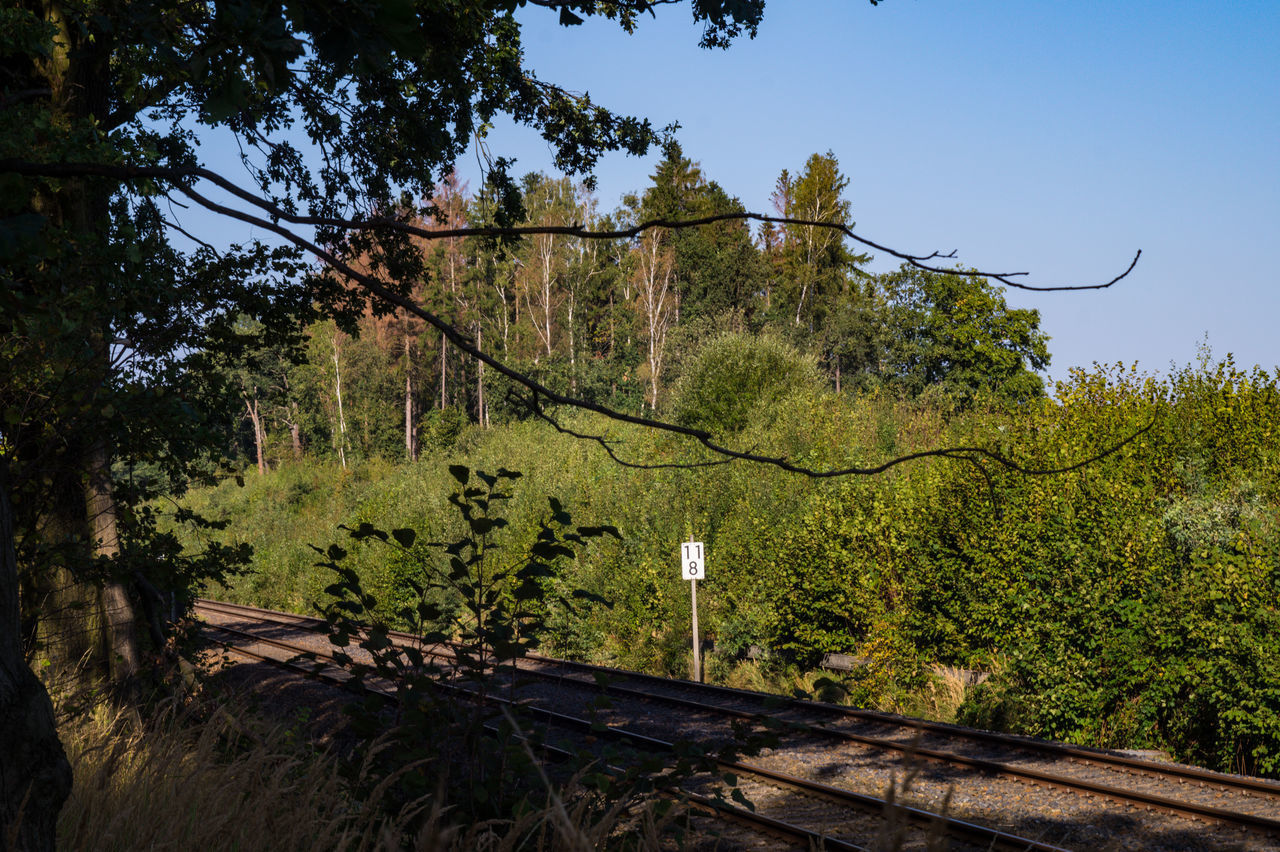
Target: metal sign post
point(693, 567)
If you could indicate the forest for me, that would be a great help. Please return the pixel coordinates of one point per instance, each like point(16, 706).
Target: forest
point(616, 322)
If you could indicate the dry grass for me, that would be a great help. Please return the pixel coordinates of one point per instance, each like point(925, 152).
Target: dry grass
point(209, 779)
point(940, 698)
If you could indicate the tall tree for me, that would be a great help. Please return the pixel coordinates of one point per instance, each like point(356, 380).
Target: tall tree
point(717, 267)
point(544, 258)
point(954, 335)
point(653, 270)
point(816, 260)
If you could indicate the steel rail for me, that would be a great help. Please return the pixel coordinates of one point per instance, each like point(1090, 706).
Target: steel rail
point(972, 832)
point(1079, 754)
point(720, 809)
point(1119, 795)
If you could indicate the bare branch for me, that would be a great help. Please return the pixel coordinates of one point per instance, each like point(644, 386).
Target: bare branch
point(531, 404)
point(179, 175)
point(175, 226)
point(539, 391)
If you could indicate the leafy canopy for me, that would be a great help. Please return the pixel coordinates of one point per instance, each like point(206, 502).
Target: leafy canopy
point(954, 335)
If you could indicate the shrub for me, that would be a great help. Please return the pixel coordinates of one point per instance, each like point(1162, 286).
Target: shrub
point(737, 376)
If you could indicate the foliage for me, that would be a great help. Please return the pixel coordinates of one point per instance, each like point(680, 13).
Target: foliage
point(616, 322)
point(1129, 603)
point(816, 261)
point(504, 609)
point(736, 376)
point(954, 336)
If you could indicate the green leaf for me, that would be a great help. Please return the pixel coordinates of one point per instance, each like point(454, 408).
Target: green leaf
point(460, 472)
point(405, 537)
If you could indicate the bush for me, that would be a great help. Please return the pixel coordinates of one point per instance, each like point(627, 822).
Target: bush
point(1104, 590)
point(737, 376)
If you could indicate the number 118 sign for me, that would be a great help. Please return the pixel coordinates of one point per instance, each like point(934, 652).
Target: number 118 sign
point(693, 565)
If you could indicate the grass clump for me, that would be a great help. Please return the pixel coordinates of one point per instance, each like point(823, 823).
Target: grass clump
point(213, 776)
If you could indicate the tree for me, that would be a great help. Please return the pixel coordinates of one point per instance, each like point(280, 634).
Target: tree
point(717, 268)
point(953, 335)
point(653, 270)
point(386, 94)
point(545, 257)
point(736, 374)
point(817, 261)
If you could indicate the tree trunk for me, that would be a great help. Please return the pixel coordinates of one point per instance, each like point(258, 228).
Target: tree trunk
point(122, 631)
point(72, 618)
point(35, 777)
point(443, 349)
point(480, 413)
point(573, 360)
point(255, 419)
point(410, 434)
point(337, 392)
point(62, 614)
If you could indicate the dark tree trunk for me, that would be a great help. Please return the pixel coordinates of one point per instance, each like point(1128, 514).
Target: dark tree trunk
point(35, 777)
point(122, 629)
point(76, 74)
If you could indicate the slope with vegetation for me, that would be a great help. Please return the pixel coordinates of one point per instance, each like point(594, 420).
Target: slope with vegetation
point(1127, 603)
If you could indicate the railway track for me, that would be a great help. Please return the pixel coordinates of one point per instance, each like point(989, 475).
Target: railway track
point(870, 810)
point(828, 739)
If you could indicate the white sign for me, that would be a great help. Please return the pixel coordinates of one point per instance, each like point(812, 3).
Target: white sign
point(693, 564)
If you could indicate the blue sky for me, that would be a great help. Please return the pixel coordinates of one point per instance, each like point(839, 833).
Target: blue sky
point(1056, 138)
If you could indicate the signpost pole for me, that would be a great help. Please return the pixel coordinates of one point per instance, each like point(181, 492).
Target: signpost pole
point(693, 567)
point(697, 644)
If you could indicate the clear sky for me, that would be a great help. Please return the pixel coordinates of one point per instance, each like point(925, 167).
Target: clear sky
point(1052, 137)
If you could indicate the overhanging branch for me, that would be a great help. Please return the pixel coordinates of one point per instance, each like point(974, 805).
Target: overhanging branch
point(182, 177)
point(538, 391)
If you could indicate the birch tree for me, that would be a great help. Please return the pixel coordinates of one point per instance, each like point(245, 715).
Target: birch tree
point(653, 264)
point(816, 260)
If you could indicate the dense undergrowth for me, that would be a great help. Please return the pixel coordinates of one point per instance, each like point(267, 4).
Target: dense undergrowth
point(1127, 603)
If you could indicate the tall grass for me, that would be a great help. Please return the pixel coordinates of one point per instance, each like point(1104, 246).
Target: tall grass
point(215, 777)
